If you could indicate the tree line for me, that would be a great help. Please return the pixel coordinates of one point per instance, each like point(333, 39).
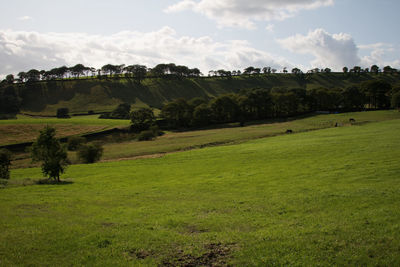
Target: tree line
point(259, 104)
point(171, 70)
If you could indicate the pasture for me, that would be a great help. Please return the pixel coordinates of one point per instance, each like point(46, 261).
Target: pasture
point(26, 128)
point(317, 198)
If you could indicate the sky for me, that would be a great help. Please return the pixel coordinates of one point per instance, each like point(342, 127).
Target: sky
point(207, 34)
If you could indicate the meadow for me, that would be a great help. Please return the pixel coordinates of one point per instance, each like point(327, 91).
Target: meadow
point(26, 128)
point(316, 198)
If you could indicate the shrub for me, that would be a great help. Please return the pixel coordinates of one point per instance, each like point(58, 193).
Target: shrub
point(147, 135)
point(74, 142)
point(90, 112)
point(5, 162)
point(63, 113)
point(90, 153)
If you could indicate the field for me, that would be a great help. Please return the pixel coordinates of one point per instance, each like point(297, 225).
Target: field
point(26, 129)
point(317, 198)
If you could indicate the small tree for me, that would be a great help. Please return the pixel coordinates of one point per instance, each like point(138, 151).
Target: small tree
point(142, 119)
point(47, 148)
point(90, 153)
point(5, 162)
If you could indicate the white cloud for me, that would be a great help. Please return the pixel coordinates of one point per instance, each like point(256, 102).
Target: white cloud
point(381, 54)
point(25, 18)
point(330, 50)
point(270, 28)
point(244, 13)
point(21, 51)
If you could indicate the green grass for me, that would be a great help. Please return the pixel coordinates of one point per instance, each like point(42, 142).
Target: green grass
point(177, 141)
point(320, 198)
point(26, 129)
point(76, 120)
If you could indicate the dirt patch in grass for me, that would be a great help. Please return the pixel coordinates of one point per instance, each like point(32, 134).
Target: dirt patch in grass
point(140, 254)
point(216, 254)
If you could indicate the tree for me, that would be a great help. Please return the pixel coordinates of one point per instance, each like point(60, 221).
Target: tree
point(396, 100)
point(5, 162)
point(353, 98)
point(375, 69)
point(63, 113)
point(10, 78)
point(33, 75)
point(121, 112)
point(377, 93)
point(47, 148)
point(201, 115)
point(90, 153)
point(142, 119)
point(22, 76)
point(345, 69)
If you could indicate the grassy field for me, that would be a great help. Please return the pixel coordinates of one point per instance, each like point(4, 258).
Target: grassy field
point(230, 133)
point(26, 129)
point(177, 141)
point(320, 198)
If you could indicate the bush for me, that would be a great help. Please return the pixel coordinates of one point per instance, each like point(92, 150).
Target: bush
point(5, 162)
point(74, 142)
point(147, 135)
point(63, 113)
point(90, 153)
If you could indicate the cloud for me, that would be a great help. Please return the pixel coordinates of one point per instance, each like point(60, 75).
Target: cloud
point(381, 54)
point(25, 18)
point(22, 50)
point(244, 13)
point(270, 28)
point(330, 50)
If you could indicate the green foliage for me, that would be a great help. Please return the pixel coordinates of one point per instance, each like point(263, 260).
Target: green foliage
point(396, 100)
point(63, 113)
point(74, 142)
point(147, 135)
point(90, 153)
point(142, 119)
point(47, 148)
point(5, 162)
point(377, 93)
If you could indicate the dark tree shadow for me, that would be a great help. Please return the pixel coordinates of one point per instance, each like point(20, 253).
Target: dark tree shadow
point(46, 181)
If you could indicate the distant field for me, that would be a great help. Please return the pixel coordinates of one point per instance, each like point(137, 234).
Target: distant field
point(323, 198)
point(231, 133)
point(26, 129)
point(175, 141)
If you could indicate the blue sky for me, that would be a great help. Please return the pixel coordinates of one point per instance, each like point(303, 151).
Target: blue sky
point(209, 34)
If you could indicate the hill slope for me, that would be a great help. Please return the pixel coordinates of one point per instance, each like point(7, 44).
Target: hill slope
point(328, 197)
point(80, 96)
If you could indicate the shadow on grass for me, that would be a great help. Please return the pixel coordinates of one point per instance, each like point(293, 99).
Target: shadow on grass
point(46, 181)
point(29, 181)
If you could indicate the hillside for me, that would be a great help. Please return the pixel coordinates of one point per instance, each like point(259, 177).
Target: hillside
point(83, 95)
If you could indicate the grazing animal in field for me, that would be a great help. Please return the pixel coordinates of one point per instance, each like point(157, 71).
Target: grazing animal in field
point(288, 131)
point(351, 120)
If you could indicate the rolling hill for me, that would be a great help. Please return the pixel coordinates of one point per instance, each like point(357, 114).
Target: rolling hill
point(101, 95)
